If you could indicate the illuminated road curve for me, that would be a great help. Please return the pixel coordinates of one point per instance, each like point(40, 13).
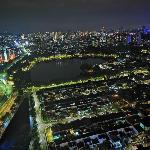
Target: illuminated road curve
point(100, 78)
point(65, 56)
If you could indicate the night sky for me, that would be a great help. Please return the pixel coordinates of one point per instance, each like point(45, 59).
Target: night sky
point(54, 15)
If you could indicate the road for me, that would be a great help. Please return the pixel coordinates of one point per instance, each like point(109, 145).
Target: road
point(40, 125)
point(7, 105)
point(6, 108)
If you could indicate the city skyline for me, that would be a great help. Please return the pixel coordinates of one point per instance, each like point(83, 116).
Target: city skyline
point(34, 16)
point(74, 75)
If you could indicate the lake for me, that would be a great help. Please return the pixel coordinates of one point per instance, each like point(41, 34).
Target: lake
point(60, 70)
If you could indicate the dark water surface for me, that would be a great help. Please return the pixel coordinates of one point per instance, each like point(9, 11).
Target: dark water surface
point(60, 70)
point(16, 135)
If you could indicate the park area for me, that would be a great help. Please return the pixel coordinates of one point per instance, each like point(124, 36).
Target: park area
point(6, 88)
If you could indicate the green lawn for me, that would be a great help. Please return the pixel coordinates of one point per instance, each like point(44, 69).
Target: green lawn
point(5, 88)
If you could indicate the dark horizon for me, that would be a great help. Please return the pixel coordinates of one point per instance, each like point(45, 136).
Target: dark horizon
point(55, 15)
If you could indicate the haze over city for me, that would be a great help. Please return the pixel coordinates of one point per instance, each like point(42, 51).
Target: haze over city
point(75, 75)
point(55, 15)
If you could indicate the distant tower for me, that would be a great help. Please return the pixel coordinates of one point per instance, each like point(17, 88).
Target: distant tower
point(1, 58)
point(146, 30)
point(139, 38)
point(129, 39)
point(55, 37)
point(103, 35)
point(23, 36)
point(5, 54)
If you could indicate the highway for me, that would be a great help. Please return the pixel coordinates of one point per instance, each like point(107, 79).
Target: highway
point(7, 105)
point(6, 108)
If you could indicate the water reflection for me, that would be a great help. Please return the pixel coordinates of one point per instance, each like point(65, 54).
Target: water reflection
point(60, 70)
point(16, 135)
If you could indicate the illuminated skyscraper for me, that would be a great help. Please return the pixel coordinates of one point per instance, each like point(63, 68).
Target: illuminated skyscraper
point(103, 35)
point(5, 55)
point(129, 39)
